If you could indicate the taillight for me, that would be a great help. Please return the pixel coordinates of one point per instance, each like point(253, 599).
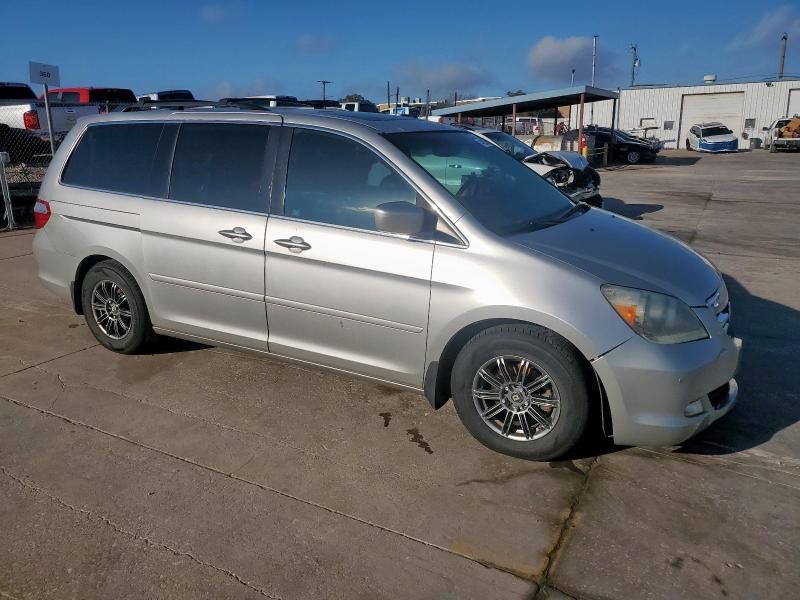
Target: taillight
point(41, 213)
point(31, 119)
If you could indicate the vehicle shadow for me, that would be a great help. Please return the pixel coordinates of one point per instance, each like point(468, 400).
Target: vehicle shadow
point(632, 211)
point(768, 380)
point(170, 345)
point(666, 160)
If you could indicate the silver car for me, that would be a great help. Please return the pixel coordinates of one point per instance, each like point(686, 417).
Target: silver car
point(359, 242)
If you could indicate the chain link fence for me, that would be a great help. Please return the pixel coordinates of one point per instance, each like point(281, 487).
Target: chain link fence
point(25, 158)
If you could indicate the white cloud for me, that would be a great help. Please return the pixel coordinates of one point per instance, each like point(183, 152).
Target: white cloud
point(445, 78)
point(553, 59)
point(315, 44)
point(257, 87)
point(769, 29)
point(216, 14)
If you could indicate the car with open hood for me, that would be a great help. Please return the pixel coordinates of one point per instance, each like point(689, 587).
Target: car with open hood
point(568, 171)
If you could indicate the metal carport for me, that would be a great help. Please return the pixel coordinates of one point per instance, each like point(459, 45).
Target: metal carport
point(551, 99)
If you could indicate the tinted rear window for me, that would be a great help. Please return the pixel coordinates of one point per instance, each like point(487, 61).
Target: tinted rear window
point(222, 165)
point(125, 157)
point(176, 95)
point(114, 96)
point(16, 92)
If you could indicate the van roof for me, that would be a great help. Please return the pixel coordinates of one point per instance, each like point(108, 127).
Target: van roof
point(380, 123)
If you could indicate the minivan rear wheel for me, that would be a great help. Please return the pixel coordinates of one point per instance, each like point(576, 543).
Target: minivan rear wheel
point(114, 308)
point(521, 390)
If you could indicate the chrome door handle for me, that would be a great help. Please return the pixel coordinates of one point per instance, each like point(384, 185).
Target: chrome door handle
point(237, 234)
point(294, 244)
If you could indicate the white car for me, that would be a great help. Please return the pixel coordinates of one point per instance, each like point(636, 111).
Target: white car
point(774, 140)
point(711, 137)
point(568, 171)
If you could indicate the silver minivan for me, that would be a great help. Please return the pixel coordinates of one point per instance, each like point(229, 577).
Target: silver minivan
point(396, 249)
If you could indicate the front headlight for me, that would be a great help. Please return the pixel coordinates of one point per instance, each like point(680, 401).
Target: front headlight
point(656, 317)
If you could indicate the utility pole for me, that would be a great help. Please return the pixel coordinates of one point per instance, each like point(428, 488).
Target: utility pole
point(427, 103)
point(388, 97)
point(784, 39)
point(324, 83)
point(594, 66)
point(634, 64)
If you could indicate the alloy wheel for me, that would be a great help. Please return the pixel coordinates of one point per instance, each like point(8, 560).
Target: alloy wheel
point(516, 398)
point(111, 309)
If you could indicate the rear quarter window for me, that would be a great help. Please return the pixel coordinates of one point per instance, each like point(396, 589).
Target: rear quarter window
point(129, 158)
point(221, 165)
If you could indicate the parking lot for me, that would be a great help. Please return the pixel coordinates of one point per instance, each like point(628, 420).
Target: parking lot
point(202, 472)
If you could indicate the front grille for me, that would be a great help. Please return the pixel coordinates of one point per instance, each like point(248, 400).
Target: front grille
point(719, 396)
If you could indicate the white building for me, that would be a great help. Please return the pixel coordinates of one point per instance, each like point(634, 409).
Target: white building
point(744, 107)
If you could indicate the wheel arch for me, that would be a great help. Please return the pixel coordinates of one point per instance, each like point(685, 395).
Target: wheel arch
point(436, 386)
point(98, 255)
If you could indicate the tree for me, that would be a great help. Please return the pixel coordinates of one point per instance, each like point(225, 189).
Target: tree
point(354, 98)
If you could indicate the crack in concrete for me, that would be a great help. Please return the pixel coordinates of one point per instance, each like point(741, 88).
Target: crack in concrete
point(178, 413)
point(91, 515)
point(276, 491)
point(17, 256)
point(553, 555)
point(49, 360)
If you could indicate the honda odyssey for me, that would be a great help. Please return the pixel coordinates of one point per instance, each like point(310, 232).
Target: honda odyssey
point(397, 249)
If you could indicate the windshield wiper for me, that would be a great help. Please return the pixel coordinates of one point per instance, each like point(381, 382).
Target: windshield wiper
point(534, 224)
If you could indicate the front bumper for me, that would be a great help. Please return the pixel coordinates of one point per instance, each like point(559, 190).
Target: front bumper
point(649, 385)
point(718, 147)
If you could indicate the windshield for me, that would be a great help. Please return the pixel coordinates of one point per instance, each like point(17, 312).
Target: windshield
point(510, 144)
point(16, 92)
point(504, 195)
point(709, 131)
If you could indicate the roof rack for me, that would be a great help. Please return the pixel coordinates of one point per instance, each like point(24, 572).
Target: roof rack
point(170, 104)
point(188, 104)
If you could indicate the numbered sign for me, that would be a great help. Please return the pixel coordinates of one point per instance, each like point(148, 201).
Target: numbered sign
point(45, 74)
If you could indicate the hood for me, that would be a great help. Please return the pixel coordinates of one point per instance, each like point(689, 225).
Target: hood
point(573, 159)
point(724, 138)
point(619, 251)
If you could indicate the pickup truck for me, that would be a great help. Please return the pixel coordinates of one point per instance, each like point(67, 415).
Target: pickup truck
point(775, 140)
point(22, 113)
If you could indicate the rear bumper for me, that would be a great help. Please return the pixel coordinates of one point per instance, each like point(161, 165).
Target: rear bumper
point(649, 387)
point(54, 269)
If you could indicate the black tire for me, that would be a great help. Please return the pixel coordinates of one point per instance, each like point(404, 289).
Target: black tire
point(139, 331)
point(688, 146)
point(772, 148)
point(633, 157)
point(596, 200)
point(555, 357)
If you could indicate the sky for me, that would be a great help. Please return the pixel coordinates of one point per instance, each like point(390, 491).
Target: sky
point(245, 47)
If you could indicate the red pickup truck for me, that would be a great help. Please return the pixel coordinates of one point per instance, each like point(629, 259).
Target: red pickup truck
point(105, 97)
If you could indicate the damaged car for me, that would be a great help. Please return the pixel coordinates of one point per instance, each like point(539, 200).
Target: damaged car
point(568, 171)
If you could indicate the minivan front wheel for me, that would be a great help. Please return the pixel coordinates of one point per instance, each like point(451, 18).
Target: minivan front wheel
point(522, 391)
point(114, 308)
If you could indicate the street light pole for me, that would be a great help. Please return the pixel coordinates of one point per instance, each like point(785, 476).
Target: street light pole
point(594, 65)
point(324, 83)
point(634, 64)
point(572, 78)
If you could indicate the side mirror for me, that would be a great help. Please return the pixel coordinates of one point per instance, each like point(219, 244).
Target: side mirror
point(765, 129)
point(399, 217)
